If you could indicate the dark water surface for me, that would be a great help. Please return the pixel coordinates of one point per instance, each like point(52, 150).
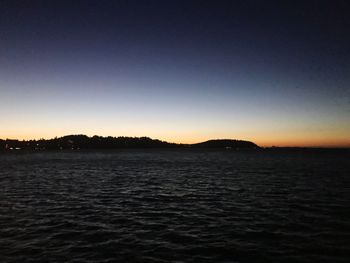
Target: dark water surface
point(175, 206)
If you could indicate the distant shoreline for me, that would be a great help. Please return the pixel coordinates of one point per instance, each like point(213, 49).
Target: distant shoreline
point(83, 142)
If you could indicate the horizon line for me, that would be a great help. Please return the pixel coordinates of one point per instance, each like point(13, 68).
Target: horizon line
point(271, 146)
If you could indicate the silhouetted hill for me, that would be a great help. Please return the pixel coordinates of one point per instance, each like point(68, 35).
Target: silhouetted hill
point(76, 142)
point(234, 144)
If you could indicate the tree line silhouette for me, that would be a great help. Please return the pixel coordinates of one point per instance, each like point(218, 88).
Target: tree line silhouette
point(77, 142)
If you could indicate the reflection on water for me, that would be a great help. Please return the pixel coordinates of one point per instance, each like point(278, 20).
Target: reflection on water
point(177, 205)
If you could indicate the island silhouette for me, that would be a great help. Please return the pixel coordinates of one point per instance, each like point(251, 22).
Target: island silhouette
point(78, 142)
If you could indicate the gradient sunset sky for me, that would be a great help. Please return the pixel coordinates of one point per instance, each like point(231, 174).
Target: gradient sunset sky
point(273, 72)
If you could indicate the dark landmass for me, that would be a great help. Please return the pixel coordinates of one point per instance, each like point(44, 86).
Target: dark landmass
point(226, 143)
point(78, 142)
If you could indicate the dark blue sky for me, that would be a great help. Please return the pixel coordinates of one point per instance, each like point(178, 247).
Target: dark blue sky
point(276, 72)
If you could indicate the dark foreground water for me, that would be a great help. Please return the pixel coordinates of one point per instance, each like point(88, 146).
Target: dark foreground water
point(175, 206)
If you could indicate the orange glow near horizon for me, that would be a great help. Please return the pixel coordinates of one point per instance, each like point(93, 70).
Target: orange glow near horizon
point(263, 140)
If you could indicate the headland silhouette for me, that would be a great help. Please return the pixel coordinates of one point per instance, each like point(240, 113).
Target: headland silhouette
point(77, 142)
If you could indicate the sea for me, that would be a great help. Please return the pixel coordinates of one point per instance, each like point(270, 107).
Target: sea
point(176, 205)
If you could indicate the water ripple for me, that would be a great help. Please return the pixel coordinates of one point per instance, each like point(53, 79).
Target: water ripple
point(181, 206)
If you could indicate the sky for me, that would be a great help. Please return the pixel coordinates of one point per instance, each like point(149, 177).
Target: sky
point(272, 72)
